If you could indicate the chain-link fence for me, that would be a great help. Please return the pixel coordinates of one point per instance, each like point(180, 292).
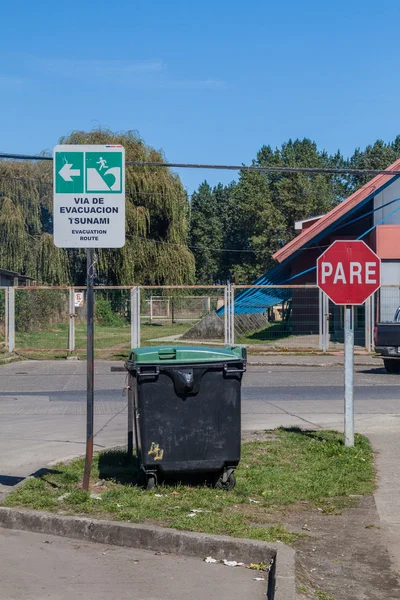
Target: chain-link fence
point(279, 318)
point(41, 320)
point(48, 322)
point(185, 315)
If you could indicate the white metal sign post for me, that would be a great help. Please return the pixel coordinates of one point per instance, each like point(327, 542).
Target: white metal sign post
point(89, 212)
point(349, 272)
point(349, 376)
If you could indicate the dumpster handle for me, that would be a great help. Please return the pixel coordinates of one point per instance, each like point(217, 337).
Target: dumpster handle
point(234, 370)
point(149, 373)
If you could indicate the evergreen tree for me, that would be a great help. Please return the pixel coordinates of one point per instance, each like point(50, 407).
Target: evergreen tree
point(227, 211)
point(205, 234)
point(376, 156)
point(257, 226)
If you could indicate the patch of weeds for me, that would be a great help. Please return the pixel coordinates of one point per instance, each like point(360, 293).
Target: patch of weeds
point(323, 595)
point(295, 466)
point(302, 588)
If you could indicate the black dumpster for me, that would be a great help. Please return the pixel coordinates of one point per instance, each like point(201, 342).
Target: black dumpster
point(186, 411)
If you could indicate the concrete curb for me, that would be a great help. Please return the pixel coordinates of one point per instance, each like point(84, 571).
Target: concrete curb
point(10, 359)
point(281, 585)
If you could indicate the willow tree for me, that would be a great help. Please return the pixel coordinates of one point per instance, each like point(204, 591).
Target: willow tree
point(16, 244)
point(157, 212)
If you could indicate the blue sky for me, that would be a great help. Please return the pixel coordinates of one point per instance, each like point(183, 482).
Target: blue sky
point(208, 81)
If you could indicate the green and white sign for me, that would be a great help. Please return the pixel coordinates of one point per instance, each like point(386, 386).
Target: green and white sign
point(89, 196)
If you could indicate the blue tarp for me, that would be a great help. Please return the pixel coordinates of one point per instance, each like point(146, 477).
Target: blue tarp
point(253, 301)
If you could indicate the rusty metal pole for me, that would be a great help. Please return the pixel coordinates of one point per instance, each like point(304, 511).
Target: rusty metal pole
point(90, 369)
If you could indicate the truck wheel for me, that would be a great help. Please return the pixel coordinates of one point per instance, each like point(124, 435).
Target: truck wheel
point(392, 366)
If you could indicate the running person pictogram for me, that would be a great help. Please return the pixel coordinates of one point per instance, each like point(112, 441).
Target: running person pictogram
point(102, 162)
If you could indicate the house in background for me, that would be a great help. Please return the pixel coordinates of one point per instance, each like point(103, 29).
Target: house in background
point(10, 278)
point(371, 214)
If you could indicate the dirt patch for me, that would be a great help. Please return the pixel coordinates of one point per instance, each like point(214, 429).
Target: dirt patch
point(258, 436)
point(343, 556)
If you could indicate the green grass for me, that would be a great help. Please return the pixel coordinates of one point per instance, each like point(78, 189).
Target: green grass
point(296, 466)
point(270, 334)
point(110, 341)
point(149, 332)
point(323, 595)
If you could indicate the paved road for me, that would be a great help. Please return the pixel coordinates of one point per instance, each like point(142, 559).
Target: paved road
point(42, 419)
point(298, 395)
point(42, 407)
point(38, 567)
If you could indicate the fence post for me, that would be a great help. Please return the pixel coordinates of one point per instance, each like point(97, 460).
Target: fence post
point(135, 317)
point(151, 308)
point(227, 317)
point(232, 308)
point(138, 316)
point(71, 331)
point(11, 319)
point(6, 317)
point(208, 304)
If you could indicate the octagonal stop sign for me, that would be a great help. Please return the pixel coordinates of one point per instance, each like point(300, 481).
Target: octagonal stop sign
point(349, 272)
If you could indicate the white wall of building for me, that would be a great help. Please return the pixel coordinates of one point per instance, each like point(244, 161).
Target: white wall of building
point(388, 194)
point(390, 296)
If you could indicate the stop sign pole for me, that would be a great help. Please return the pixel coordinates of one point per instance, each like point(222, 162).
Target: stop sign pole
point(349, 272)
point(349, 376)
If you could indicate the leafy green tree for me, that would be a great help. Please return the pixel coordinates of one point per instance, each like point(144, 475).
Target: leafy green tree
point(157, 220)
point(258, 213)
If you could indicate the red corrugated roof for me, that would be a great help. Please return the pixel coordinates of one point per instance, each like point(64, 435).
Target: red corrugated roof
point(336, 213)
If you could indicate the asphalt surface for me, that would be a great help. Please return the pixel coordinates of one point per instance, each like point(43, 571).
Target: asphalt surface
point(37, 567)
point(42, 407)
point(42, 420)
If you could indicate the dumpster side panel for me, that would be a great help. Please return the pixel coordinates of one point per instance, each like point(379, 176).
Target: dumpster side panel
point(194, 431)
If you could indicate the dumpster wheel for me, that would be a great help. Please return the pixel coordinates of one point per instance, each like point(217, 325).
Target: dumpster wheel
point(226, 482)
point(151, 481)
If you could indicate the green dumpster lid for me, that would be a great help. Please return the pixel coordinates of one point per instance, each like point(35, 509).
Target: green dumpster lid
point(185, 354)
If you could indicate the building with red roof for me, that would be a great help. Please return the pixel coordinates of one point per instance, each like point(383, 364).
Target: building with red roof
point(372, 214)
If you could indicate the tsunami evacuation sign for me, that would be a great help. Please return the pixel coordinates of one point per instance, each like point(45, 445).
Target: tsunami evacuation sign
point(89, 196)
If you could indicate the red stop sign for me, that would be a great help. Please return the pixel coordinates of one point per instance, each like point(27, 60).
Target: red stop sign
point(349, 272)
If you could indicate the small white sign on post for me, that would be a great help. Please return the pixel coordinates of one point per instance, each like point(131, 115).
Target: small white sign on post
point(79, 299)
point(89, 196)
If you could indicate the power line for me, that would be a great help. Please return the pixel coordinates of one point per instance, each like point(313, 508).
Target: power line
point(24, 156)
point(265, 169)
point(268, 169)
